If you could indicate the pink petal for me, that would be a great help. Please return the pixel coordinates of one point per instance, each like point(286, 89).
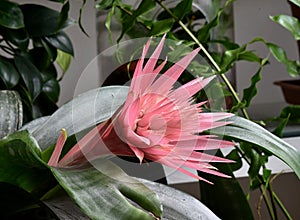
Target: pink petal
point(190, 88)
point(58, 148)
point(166, 81)
point(139, 154)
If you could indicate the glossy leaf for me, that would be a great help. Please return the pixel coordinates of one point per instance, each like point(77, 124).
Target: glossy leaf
point(18, 37)
point(40, 20)
point(8, 73)
point(100, 191)
point(61, 41)
point(290, 23)
point(19, 164)
point(11, 15)
point(30, 75)
point(245, 130)
point(225, 189)
point(63, 15)
point(51, 89)
point(81, 113)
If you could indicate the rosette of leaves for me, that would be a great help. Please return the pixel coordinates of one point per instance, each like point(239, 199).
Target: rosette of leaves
point(32, 40)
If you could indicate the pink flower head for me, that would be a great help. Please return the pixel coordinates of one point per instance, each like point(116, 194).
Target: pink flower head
point(156, 122)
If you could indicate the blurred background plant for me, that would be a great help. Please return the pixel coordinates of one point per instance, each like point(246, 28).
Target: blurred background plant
point(32, 42)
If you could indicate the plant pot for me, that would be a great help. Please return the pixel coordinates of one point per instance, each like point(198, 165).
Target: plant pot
point(291, 90)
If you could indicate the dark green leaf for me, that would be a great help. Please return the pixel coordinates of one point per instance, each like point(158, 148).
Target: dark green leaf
point(182, 8)
point(292, 111)
point(18, 37)
point(203, 34)
point(223, 189)
point(266, 175)
point(251, 91)
point(11, 15)
point(41, 58)
point(8, 73)
point(279, 129)
point(161, 27)
point(63, 15)
point(40, 20)
point(290, 23)
point(30, 75)
point(80, 18)
point(20, 164)
point(246, 130)
point(234, 156)
point(102, 192)
point(61, 41)
point(51, 89)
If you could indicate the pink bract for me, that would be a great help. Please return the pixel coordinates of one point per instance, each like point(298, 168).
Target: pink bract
point(156, 122)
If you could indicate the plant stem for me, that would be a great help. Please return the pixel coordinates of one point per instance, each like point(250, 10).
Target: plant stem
point(285, 212)
point(207, 54)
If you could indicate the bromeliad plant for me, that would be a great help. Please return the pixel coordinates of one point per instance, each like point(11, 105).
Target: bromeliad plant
point(170, 131)
point(32, 41)
point(202, 27)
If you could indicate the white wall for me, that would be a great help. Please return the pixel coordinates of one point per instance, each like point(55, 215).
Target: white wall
point(251, 19)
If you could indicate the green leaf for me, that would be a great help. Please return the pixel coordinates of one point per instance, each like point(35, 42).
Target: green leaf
point(18, 37)
point(223, 189)
point(41, 21)
point(293, 67)
point(182, 8)
point(11, 15)
point(130, 20)
point(160, 27)
point(290, 23)
point(63, 15)
point(63, 60)
point(296, 2)
point(8, 73)
point(80, 18)
point(104, 4)
point(103, 191)
point(246, 130)
point(292, 111)
point(20, 164)
point(251, 91)
point(234, 156)
point(51, 89)
point(61, 41)
point(105, 101)
point(30, 75)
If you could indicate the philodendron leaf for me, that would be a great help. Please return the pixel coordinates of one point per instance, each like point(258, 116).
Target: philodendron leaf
point(11, 15)
point(246, 130)
point(81, 113)
point(103, 191)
